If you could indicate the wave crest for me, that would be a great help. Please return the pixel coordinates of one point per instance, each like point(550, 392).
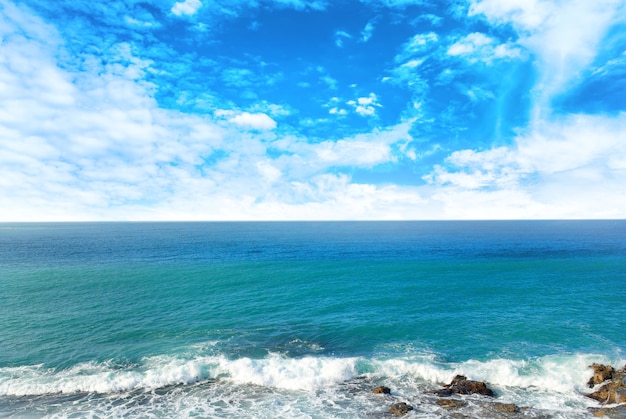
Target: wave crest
point(560, 374)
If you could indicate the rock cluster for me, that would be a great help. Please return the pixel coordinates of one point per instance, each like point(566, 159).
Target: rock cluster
point(397, 409)
point(608, 384)
point(601, 373)
point(461, 385)
point(612, 384)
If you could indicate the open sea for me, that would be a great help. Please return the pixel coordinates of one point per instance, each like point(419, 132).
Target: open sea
point(303, 319)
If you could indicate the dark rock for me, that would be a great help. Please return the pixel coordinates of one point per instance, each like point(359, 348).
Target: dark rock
point(601, 373)
point(400, 409)
point(381, 390)
point(461, 385)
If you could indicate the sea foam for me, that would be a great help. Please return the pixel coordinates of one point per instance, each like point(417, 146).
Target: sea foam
point(512, 379)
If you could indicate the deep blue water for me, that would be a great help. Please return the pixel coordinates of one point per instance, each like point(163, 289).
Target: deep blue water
point(185, 318)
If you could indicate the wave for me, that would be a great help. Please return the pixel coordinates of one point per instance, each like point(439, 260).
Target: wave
point(563, 378)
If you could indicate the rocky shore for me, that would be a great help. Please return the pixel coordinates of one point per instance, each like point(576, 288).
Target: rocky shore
point(609, 388)
point(607, 384)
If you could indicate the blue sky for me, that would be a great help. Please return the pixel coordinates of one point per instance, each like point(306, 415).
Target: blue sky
point(310, 109)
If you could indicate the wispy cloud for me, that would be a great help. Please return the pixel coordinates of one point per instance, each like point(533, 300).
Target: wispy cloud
point(367, 31)
point(418, 45)
point(340, 37)
point(480, 47)
point(564, 36)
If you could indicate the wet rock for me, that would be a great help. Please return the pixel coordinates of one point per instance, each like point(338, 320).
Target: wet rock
point(451, 403)
point(461, 385)
point(381, 390)
point(506, 407)
point(618, 412)
point(614, 390)
point(400, 409)
point(610, 393)
point(601, 373)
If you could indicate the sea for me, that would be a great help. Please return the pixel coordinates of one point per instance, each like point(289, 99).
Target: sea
point(304, 319)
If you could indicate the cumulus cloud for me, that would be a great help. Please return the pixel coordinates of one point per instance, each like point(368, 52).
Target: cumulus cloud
point(94, 144)
point(258, 121)
point(186, 7)
point(365, 106)
point(85, 138)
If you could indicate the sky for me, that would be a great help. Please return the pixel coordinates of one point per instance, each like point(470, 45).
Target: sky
point(312, 109)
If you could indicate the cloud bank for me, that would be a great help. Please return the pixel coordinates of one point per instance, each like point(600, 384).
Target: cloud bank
point(138, 125)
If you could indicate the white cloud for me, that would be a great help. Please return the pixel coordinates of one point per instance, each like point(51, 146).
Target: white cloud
point(140, 23)
point(365, 106)
point(469, 44)
point(367, 31)
point(340, 36)
point(525, 14)
point(570, 168)
point(258, 121)
point(418, 44)
point(186, 7)
point(563, 35)
point(335, 196)
point(337, 111)
point(305, 159)
point(268, 171)
point(94, 144)
point(480, 47)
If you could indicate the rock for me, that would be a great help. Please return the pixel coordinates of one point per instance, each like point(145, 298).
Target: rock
point(618, 412)
point(610, 393)
point(400, 409)
point(451, 403)
point(381, 390)
point(614, 390)
point(601, 373)
point(461, 385)
point(506, 407)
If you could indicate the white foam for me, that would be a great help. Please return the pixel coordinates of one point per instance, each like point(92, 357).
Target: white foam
point(551, 382)
point(308, 373)
point(100, 377)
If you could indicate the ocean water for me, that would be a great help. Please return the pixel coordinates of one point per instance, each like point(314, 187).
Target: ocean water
point(301, 320)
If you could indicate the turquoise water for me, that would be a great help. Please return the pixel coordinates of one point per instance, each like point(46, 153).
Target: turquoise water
point(276, 319)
